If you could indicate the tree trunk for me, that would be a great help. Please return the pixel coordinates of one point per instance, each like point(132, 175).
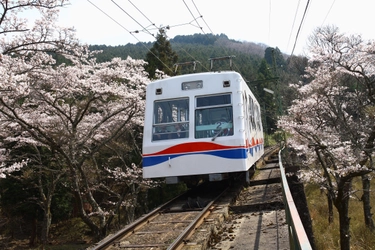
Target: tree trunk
point(34, 229)
point(81, 212)
point(46, 225)
point(366, 203)
point(47, 216)
point(342, 205)
point(330, 208)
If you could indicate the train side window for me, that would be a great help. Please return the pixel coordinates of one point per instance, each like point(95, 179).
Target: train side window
point(246, 111)
point(213, 116)
point(170, 119)
point(252, 114)
point(258, 119)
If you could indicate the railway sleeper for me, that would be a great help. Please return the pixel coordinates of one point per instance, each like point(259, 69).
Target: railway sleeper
point(270, 167)
point(152, 232)
point(125, 245)
point(272, 160)
point(274, 205)
point(265, 182)
point(175, 221)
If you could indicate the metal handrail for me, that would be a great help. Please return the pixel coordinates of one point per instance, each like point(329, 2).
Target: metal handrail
point(297, 234)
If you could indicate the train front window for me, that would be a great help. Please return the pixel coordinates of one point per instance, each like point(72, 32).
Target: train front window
point(213, 116)
point(170, 119)
point(216, 100)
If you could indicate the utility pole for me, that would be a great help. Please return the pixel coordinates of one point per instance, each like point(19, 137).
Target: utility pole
point(277, 92)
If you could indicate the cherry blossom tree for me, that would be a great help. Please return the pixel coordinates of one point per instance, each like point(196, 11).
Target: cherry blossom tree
point(332, 121)
point(73, 113)
point(23, 36)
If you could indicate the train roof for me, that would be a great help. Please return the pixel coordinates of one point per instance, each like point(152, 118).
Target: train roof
point(174, 86)
point(200, 75)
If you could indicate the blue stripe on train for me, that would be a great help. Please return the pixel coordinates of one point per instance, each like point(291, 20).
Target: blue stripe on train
point(229, 154)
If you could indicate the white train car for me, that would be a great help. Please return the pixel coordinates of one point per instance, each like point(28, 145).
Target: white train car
point(200, 125)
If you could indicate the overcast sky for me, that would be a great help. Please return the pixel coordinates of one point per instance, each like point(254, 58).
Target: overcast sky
point(271, 22)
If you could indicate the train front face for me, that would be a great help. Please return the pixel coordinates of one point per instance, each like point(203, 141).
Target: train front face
point(195, 125)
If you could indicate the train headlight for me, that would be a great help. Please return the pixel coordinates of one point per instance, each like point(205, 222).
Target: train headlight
point(192, 85)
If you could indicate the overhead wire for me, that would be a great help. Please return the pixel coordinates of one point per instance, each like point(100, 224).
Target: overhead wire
point(329, 11)
point(294, 21)
point(142, 13)
point(128, 32)
point(306, 9)
point(201, 16)
point(300, 26)
point(152, 23)
point(269, 21)
point(168, 27)
point(146, 30)
point(111, 18)
point(195, 19)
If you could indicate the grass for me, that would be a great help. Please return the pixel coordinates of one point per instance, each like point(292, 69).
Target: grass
point(327, 236)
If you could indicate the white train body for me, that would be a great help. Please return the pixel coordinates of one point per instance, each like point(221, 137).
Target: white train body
point(200, 124)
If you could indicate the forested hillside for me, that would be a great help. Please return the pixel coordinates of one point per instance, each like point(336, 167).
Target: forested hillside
point(197, 48)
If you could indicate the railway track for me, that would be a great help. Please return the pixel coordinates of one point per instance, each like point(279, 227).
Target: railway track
point(169, 226)
point(192, 223)
point(258, 218)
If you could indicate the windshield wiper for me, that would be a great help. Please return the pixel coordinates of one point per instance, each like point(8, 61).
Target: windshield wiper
point(217, 134)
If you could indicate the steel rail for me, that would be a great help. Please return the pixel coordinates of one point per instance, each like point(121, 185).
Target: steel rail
point(178, 243)
point(107, 242)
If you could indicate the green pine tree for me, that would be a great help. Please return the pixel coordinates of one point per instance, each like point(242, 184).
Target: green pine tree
point(266, 80)
point(161, 56)
point(274, 58)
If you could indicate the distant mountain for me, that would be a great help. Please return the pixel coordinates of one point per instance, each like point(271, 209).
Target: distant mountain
point(221, 41)
point(139, 50)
